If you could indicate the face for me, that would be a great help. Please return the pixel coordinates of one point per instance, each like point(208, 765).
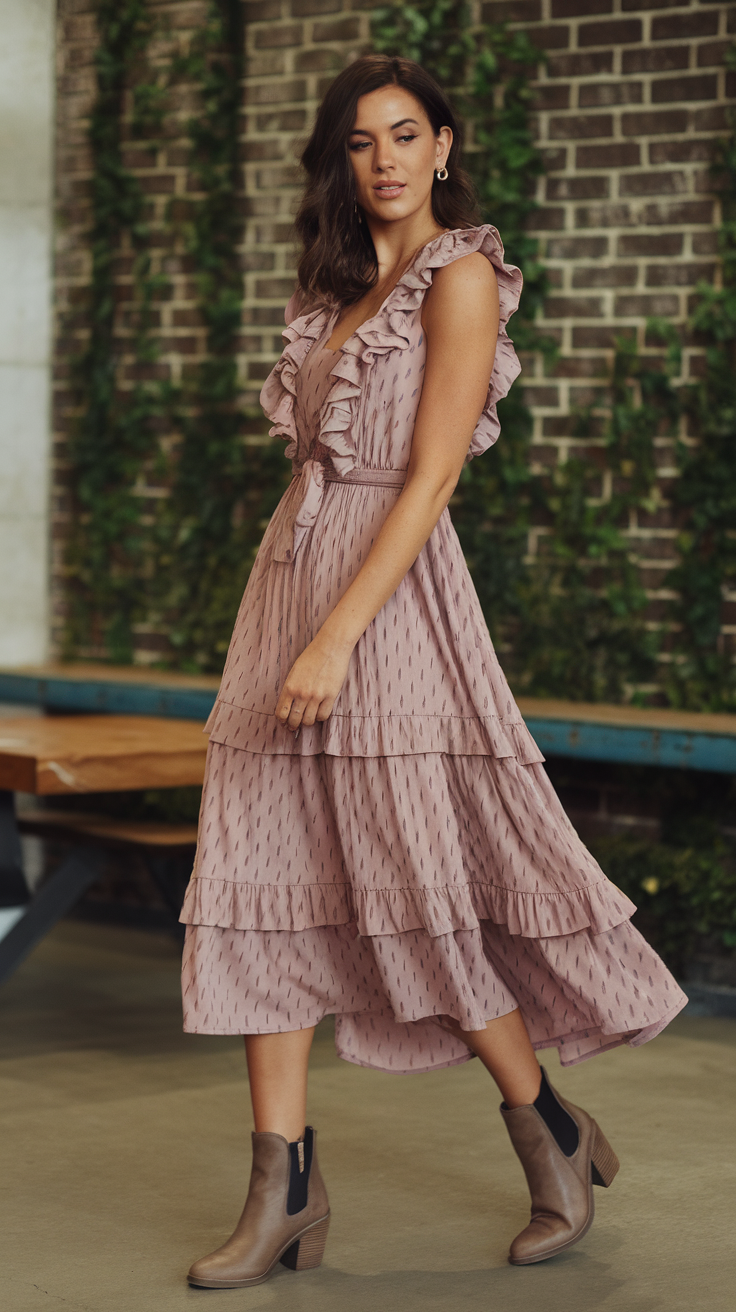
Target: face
point(394, 153)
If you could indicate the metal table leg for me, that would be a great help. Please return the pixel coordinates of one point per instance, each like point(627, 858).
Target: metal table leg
point(52, 901)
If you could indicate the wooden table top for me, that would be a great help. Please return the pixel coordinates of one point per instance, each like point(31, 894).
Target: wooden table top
point(99, 753)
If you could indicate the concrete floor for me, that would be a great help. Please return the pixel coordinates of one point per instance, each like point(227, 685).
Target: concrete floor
point(125, 1156)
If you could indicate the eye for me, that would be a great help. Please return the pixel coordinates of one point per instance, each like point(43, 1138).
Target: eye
point(409, 137)
point(358, 145)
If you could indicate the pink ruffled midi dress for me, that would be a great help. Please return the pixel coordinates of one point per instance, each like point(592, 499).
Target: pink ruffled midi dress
point(407, 859)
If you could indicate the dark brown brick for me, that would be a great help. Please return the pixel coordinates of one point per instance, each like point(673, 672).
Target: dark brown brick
point(272, 179)
point(318, 61)
point(592, 366)
point(269, 289)
point(579, 8)
point(284, 120)
point(677, 89)
point(262, 11)
point(665, 243)
point(678, 275)
point(712, 52)
point(687, 211)
point(610, 275)
point(731, 21)
point(546, 219)
point(546, 396)
point(603, 216)
point(576, 248)
point(556, 426)
point(590, 64)
point(309, 8)
point(577, 188)
point(271, 148)
point(275, 93)
point(682, 27)
point(548, 96)
point(554, 159)
point(680, 152)
point(713, 119)
point(556, 37)
point(610, 93)
point(621, 32)
point(661, 59)
point(573, 307)
point(281, 34)
point(651, 124)
point(599, 339)
point(512, 11)
point(662, 183)
point(705, 243)
point(581, 125)
point(647, 306)
point(340, 29)
point(622, 155)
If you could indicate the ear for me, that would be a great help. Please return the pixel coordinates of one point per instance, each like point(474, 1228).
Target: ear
point(444, 142)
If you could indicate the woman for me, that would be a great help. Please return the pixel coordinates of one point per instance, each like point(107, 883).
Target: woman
point(378, 838)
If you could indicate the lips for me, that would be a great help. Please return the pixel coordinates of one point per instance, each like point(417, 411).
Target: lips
point(389, 190)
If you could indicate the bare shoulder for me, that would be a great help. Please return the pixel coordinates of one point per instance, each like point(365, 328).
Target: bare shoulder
point(465, 290)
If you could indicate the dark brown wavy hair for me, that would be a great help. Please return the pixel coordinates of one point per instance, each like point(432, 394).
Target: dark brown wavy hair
point(338, 264)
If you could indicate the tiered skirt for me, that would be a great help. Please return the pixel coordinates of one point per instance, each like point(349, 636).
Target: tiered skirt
point(397, 891)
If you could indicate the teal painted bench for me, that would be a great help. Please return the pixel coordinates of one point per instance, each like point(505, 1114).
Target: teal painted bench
point(589, 732)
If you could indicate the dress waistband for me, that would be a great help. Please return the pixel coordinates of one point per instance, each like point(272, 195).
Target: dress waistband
point(302, 513)
point(370, 477)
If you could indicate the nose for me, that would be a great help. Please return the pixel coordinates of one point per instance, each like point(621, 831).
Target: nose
point(383, 158)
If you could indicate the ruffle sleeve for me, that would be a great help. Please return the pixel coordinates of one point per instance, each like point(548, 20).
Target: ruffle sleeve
point(506, 368)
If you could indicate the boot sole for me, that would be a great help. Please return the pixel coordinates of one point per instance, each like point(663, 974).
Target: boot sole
point(303, 1253)
point(604, 1166)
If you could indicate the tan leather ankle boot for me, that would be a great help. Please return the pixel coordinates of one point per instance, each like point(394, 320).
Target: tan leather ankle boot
point(561, 1187)
point(270, 1230)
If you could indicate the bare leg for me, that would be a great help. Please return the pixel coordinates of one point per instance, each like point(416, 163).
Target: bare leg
point(505, 1050)
point(277, 1070)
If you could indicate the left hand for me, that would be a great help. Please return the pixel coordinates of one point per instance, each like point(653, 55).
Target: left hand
point(312, 684)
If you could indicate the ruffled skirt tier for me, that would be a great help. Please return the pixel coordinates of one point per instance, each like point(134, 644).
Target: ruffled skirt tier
point(394, 891)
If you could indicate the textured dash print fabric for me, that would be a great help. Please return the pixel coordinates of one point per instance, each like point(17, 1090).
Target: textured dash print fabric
point(406, 860)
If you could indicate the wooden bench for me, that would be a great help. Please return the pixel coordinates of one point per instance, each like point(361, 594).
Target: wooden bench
point(81, 754)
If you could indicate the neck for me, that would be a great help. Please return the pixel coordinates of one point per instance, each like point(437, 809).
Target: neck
point(396, 243)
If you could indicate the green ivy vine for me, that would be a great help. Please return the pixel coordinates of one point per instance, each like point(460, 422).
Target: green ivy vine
point(702, 674)
point(115, 435)
point(178, 562)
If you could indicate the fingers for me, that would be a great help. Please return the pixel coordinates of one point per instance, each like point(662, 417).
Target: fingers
point(295, 713)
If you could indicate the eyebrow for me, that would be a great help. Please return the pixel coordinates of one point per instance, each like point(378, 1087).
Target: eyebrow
point(393, 127)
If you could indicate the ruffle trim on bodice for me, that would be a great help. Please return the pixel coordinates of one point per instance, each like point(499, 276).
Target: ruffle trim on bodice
point(374, 735)
point(441, 910)
point(389, 330)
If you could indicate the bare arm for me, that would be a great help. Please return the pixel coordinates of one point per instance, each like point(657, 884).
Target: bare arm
point(460, 319)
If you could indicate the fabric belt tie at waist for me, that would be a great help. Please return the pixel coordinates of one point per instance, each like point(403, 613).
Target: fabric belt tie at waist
point(313, 476)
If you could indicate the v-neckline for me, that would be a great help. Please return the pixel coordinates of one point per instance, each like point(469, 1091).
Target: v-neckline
point(336, 313)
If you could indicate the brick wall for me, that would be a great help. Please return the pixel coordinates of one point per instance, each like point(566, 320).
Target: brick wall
point(628, 106)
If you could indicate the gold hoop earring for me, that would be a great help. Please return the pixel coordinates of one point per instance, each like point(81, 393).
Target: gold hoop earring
point(442, 174)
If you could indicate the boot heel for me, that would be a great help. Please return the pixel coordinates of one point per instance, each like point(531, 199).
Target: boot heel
point(604, 1161)
point(308, 1250)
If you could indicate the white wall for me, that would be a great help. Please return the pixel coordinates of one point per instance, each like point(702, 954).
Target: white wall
point(27, 30)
